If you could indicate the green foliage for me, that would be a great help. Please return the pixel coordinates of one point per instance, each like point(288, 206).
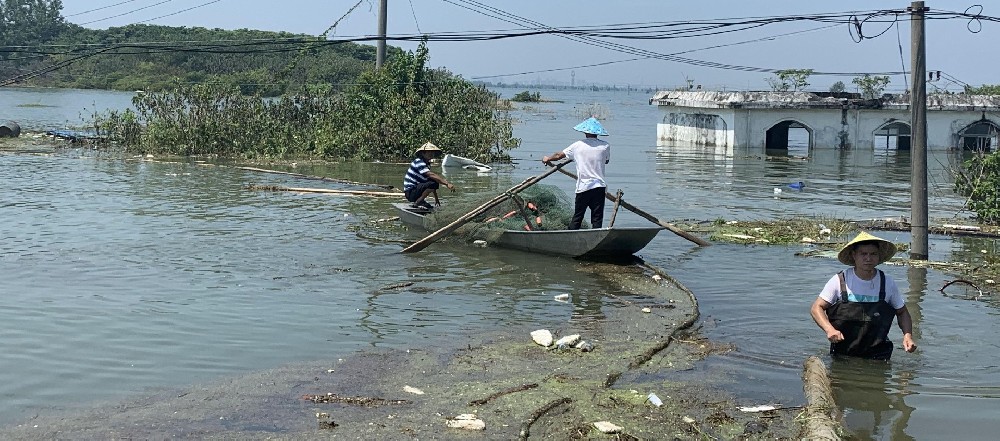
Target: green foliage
point(985, 89)
point(980, 182)
point(794, 79)
point(527, 97)
point(385, 115)
point(871, 86)
point(29, 22)
point(838, 87)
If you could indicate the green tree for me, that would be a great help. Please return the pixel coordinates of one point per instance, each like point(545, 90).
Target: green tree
point(871, 86)
point(980, 183)
point(838, 87)
point(794, 79)
point(985, 89)
point(29, 23)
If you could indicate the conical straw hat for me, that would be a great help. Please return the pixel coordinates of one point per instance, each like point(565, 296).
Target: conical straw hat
point(427, 147)
point(592, 126)
point(886, 249)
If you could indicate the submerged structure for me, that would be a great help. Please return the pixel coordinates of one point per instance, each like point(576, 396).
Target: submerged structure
point(759, 121)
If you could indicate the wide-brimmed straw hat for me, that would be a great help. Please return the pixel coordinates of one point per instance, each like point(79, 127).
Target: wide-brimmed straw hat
point(427, 147)
point(592, 126)
point(886, 249)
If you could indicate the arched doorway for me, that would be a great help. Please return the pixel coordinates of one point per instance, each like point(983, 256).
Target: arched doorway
point(980, 136)
point(789, 136)
point(893, 135)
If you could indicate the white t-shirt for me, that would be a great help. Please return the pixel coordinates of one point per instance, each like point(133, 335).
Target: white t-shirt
point(859, 290)
point(590, 155)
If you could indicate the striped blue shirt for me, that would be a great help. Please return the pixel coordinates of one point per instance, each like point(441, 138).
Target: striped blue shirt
point(417, 174)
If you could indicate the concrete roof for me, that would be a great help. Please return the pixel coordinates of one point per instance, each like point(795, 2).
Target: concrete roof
point(809, 100)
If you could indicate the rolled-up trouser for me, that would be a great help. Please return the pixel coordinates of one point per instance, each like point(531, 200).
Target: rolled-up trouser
point(592, 199)
point(414, 192)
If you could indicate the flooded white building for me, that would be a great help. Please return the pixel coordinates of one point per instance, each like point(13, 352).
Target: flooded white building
point(759, 121)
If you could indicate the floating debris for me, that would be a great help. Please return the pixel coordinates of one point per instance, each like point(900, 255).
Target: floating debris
point(542, 336)
point(354, 401)
point(467, 421)
point(568, 340)
point(562, 298)
point(761, 408)
point(607, 427)
point(412, 390)
point(655, 400)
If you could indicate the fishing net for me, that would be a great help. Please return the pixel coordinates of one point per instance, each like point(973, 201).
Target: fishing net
point(539, 207)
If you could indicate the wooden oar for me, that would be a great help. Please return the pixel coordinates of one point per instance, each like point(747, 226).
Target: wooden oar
point(649, 217)
point(448, 229)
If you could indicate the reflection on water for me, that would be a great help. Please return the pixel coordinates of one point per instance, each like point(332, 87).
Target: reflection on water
point(122, 276)
point(873, 398)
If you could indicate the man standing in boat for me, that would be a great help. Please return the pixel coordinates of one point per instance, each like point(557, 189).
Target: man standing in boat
point(591, 155)
point(420, 181)
point(857, 305)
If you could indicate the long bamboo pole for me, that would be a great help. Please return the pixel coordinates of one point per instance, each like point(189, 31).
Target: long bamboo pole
point(448, 229)
point(315, 178)
point(325, 190)
point(673, 228)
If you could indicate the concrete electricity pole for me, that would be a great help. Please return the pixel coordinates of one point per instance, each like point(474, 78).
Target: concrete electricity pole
point(380, 45)
point(918, 134)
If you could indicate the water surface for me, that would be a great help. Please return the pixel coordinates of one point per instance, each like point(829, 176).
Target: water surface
point(120, 276)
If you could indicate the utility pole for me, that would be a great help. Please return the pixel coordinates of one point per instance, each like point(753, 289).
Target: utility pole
point(380, 45)
point(918, 139)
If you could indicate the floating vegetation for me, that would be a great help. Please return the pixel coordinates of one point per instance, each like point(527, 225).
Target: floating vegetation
point(780, 232)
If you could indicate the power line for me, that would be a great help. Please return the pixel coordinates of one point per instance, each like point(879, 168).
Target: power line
point(125, 13)
point(98, 9)
point(179, 12)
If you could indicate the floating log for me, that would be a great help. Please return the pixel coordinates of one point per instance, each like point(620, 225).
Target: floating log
point(817, 421)
point(325, 190)
point(315, 178)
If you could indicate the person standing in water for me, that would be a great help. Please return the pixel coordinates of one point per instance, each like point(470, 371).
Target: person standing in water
point(591, 155)
point(857, 306)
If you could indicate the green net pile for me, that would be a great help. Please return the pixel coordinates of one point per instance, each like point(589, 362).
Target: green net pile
point(545, 203)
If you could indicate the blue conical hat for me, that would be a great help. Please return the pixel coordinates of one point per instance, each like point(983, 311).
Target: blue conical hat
point(592, 126)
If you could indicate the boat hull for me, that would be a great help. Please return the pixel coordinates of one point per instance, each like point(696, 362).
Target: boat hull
point(601, 243)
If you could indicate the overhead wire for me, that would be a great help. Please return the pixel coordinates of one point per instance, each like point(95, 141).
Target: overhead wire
point(125, 13)
point(588, 35)
point(179, 12)
point(98, 9)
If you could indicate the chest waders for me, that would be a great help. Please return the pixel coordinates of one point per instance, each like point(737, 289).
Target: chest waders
point(865, 325)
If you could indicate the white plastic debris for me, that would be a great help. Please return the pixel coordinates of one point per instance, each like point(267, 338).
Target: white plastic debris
point(607, 427)
point(562, 298)
point(655, 400)
point(542, 336)
point(467, 421)
point(761, 408)
point(412, 390)
point(647, 310)
point(688, 420)
point(568, 340)
point(657, 277)
point(480, 243)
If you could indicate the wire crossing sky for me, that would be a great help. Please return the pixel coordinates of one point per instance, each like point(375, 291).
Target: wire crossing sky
point(725, 44)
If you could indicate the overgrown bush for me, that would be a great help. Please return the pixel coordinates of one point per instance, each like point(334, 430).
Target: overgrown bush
point(385, 115)
point(527, 97)
point(980, 182)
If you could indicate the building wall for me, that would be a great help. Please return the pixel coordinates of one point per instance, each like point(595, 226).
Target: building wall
point(829, 127)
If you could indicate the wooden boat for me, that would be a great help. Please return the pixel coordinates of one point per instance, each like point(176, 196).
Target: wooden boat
point(452, 161)
point(591, 243)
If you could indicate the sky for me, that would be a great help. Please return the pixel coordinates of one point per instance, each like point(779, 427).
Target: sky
point(963, 56)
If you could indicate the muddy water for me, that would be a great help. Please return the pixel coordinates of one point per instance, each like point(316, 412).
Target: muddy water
point(119, 277)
